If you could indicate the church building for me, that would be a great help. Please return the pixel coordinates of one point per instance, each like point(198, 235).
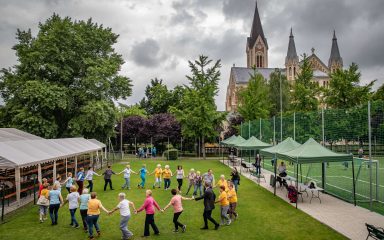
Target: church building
point(257, 56)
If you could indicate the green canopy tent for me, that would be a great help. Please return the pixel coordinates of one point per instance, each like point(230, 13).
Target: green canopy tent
point(252, 143)
point(313, 152)
point(225, 142)
point(285, 146)
point(233, 142)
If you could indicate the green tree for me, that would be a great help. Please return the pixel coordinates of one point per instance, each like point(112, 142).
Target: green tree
point(274, 93)
point(253, 100)
point(197, 112)
point(157, 97)
point(305, 91)
point(66, 80)
point(133, 110)
point(379, 94)
point(344, 88)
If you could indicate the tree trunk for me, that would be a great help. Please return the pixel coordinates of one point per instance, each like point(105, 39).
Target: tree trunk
point(203, 146)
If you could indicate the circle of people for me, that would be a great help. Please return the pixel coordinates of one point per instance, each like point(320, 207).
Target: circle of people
point(50, 198)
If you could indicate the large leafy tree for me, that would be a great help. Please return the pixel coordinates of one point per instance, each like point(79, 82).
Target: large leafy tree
point(197, 112)
point(65, 81)
point(379, 94)
point(305, 91)
point(253, 100)
point(345, 90)
point(274, 93)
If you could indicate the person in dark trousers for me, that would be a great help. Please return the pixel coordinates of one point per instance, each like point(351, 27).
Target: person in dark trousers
point(235, 178)
point(107, 178)
point(149, 206)
point(257, 164)
point(209, 204)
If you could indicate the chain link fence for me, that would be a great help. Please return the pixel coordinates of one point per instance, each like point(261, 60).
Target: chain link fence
point(358, 130)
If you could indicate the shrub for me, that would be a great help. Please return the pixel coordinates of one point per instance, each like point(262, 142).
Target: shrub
point(171, 154)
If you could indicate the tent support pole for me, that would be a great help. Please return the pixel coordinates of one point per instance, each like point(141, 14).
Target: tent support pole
point(54, 171)
point(18, 185)
point(301, 174)
point(354, 184)
point(75, 165)
point(297, 181)
point(39, 176)
point(275, 170)
point(323, 175)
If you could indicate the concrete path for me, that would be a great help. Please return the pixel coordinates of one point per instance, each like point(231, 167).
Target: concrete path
point(343, 217)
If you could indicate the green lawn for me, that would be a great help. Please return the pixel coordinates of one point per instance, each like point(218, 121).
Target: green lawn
point(261, 215)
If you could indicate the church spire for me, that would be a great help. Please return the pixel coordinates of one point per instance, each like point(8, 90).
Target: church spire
point(291, 53)
point(257, 30)
point(335, 60)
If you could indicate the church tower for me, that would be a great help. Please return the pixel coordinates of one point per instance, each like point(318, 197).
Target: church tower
point(335, 61)
point(257, 46)
point(291, 60)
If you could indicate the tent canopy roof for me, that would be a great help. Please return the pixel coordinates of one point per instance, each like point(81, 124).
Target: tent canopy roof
point(13, 134)
point(235, 141)
point(287, 145)
point(32, 152)
point(252, 144)
point(225, 141)
point(313, 152)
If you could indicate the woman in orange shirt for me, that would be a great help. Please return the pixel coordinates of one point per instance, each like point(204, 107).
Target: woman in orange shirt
point(224, 206)
point(232, 197)
point(94, 206)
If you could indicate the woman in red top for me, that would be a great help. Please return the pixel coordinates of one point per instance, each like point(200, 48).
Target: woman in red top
point(41, 186)
point(149, 206)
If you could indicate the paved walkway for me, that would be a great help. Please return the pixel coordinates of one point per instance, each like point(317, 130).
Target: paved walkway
point(343, 217)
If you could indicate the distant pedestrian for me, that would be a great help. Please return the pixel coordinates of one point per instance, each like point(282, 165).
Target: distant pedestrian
point(209, 204)
point(179, 177)
point(127, 177)
point(167, 174)
point(68, 182)
point(154, 152)
point(235, 178)
point(107, 178)
point(80, 177)
point(93, 213)
point(55, 199)
point(191, 179)
point(177, 209)
point(257, 164)
point(143, 173)
point(149, 206)
point(198, 184)
point(89, 178)
point(125, 214)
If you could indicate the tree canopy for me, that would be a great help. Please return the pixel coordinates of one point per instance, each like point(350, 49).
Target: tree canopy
point(344, 88)
point(274, 93)
point(66, 80)
point(254, 99)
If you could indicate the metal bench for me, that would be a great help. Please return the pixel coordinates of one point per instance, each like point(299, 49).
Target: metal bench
point(375, 232)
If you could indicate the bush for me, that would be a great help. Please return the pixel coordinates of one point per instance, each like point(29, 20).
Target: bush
point(171, 154)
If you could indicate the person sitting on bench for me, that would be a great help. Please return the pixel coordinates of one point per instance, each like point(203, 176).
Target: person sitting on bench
point(282, 172)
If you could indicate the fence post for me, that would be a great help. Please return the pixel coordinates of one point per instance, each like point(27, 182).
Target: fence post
point(370, 155)
point(294, 126)
point(260, 130)
point(323, 169)
point(274, 130)
point(249, 128)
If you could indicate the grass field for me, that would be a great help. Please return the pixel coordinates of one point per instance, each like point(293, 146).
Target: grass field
point(261, 215)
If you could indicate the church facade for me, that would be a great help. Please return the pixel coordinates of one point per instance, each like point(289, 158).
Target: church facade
point(257, 56)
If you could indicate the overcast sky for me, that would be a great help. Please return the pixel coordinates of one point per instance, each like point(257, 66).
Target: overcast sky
point(158, 37)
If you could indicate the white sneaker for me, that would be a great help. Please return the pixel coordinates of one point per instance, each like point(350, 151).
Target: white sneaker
point(229, 222)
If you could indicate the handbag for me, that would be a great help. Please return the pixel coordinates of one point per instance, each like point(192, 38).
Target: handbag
point(42, 201)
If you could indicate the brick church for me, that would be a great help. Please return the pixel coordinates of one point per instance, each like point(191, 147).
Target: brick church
point(257, 56)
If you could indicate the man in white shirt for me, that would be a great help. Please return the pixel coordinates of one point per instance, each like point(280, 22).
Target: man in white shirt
point(125, 214)
point(89, 178)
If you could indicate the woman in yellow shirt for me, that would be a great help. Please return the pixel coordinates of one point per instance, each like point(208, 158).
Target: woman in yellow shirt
point(222, 182)
point(167, 174)
point(44, 207)
point(232, 196)
point(93, 213)
point(224, 206)
point(158, 172)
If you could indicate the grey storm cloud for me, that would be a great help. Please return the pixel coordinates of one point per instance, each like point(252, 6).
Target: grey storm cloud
point(157, 38)
point(147, 53)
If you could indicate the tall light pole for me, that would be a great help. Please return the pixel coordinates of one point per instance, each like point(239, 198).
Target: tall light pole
point(121, 131)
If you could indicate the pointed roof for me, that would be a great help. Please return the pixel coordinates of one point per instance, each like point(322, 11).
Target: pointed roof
point(291, 54)
point(252, 143)
point(287, 145)
point(335, 53)
point(225, 141)
point(257, 30)
point(313, 152)
point(237, 140)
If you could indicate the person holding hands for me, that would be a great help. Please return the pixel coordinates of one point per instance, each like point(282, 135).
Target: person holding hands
point(125, 214)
